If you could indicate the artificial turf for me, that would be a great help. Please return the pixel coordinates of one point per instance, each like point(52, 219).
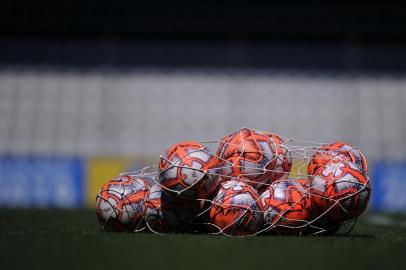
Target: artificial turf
point(72, 239)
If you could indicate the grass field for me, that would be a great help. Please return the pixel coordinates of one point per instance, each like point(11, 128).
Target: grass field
point(56, 239)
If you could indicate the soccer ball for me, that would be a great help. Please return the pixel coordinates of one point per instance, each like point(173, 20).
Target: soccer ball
point(166, 212)
point(283, 159)
point(248, 153)
point(179, 213)
point(120, 204)
point(237, 209)
point(321, 225)
point(151, 180)
point(304, 182)
point(340, 190)
point(337, 150)
point(153, 214)
point(287, 206)
point(189, 169)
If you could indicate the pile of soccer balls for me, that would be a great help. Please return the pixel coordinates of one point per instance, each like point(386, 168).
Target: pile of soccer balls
point(243, 189)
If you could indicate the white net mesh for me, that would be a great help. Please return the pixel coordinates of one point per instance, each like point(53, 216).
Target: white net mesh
point(248, 183)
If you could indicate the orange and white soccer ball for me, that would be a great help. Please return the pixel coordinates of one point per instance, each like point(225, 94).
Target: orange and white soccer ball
point(287, 206)
point(283, 163)
point(149, 179)
point(169, 212)
point(248, 153)
point(337, 150)
point(321, 225)
point(340, 190)
point(189, 169)
point(179, 213)
point(237, 209)
point(120, 204)
point(153, 214)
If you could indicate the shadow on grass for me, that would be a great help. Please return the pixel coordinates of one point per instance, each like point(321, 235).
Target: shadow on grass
point(356, 235)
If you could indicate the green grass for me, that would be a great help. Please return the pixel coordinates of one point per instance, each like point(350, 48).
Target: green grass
point(56, 239)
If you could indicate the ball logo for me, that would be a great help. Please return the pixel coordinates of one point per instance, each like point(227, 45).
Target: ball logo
point(333, 169)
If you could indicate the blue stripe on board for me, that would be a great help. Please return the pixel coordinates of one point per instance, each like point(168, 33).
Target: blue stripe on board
point(37, 181)
point(389, 186)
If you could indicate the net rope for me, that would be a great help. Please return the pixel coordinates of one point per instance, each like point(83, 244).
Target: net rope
point(301, 153)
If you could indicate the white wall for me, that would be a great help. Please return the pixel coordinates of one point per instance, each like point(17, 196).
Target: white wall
point(141, 113)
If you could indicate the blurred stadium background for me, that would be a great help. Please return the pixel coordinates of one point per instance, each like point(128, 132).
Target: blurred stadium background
point(88, 90)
